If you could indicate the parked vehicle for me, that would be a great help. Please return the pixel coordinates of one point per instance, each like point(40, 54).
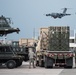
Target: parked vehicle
point(54, 47)
point(21, 50)
point(9, 58)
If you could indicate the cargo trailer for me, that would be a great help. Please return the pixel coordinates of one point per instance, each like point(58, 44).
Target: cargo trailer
point(54, 48)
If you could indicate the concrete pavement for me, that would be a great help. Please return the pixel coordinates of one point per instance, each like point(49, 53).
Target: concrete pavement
point(68, 72)
point(24, 70)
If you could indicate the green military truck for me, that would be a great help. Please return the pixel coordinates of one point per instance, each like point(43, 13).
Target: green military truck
point(54, 48)
point(9, 58)
point(21, 50)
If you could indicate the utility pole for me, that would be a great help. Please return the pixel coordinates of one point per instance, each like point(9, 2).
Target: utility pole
point(34, 43)
point(34, 33)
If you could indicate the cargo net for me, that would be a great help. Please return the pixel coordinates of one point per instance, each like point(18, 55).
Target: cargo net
point(58, 38)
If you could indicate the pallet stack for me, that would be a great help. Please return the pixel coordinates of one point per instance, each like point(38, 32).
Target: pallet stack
point(58, 38)
point(44, 38)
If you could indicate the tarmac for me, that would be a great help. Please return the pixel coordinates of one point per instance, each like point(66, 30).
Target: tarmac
point(24, 70)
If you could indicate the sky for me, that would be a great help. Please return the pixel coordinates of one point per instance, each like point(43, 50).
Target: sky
point(28, 15)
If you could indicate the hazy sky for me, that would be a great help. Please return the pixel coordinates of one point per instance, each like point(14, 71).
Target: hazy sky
point(29, 15)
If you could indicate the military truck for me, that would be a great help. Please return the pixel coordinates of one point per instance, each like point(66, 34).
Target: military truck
point(9, 58)
point(54, 47)
point(21, 50)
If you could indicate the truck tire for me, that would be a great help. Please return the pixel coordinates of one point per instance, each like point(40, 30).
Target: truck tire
point(41, 63)
point(26, 58)
point(0, 64)
point(11, 64)
point(18, 64)
point(69, 63)
point(46, 66)
point(48, 62)
point(67, 66)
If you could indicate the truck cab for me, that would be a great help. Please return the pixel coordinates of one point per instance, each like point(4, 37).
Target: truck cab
point(9, 58)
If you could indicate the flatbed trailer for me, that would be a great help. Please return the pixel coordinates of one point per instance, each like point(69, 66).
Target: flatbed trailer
point(54, 47)
point(50, 59)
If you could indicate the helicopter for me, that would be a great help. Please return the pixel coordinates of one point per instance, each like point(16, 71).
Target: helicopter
point(59, 15)
point(5, 27)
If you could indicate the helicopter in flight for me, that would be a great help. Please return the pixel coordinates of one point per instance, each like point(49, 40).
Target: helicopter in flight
point(59, 15)
point(5, 27)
